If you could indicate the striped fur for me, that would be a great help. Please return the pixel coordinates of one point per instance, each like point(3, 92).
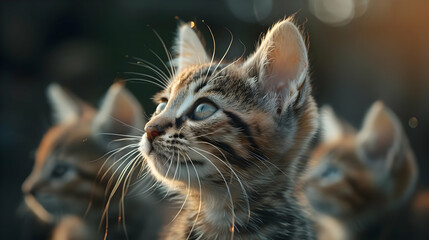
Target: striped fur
point(236, 169)
point(357, 178)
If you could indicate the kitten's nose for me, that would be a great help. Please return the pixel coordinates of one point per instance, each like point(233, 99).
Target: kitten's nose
point(153, 131)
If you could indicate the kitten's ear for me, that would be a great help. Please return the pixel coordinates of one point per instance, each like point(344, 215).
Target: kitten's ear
point(333, 128)
point(330, 124)
point(381, 137)
point(66, 106)
point(120, 113)
point(188, 48)
point(280, 63)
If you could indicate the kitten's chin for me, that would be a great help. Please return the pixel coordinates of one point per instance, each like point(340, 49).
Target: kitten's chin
point(170, 171)
point(144, 146)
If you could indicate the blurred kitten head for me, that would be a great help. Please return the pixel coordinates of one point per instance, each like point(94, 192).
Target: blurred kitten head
point(71, 154)
point(357, 174)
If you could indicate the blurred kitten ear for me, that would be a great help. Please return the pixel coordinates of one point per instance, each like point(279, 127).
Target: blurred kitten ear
point(66, 106)
point(120, 113)
point(280, 63)
point(330, 124)
point(188, 48)
point(333, 128)
point(381, 137)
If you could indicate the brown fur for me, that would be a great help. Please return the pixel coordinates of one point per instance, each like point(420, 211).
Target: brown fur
point(351, 184)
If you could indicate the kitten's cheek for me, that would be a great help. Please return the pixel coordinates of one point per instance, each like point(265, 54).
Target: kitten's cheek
point(145, 146)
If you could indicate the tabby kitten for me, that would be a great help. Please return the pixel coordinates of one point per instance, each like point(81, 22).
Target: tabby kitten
point(231, 138)
point(358, 178)
point(67, 178)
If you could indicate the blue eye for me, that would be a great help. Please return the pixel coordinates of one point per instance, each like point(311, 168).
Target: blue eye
point(59, 170)
point(331, 172)
point(203, 111)
point(160, 107)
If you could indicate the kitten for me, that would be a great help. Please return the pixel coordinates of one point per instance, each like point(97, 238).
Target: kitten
point(67, 178)
point(231, 138)
point(359, 178)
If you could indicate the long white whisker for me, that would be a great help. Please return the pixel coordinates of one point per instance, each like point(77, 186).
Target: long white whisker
point(170, 58)
point(227, 187)
point(235, 174)
point(214, 49)
point(153, 68)
point(161, 81)
point(144, 81)
point(188, 188)
point(226, 52)
point(200, 196)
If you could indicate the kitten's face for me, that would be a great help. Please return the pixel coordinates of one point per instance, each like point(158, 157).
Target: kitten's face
point(210, 121)
point(65, 170)
point(76, 151)
point(218, 121)
point(341, 184)
point(358, 173)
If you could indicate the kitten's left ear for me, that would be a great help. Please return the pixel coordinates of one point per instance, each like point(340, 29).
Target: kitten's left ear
point(66, 106)
point(381, 138)
point(332, 127)
point(120, 113)
point(330, 124)
point(188, 48)
point(281, 64)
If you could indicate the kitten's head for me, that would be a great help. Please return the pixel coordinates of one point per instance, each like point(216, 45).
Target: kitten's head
point(252, 117)
point(71, 153)
point(357, 174)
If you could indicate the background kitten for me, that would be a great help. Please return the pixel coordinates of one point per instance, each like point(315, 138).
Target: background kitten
point(359, 178)
point(79, 162)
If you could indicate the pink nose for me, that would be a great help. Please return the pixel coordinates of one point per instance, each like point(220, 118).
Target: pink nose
point(152, 132)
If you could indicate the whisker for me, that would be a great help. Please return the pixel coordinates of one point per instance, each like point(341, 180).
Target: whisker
point(170, 58)
point(214, 49)
point(200, 197)
point(153, 68)
point(235, 174)
point(227, 187)
point(161, 81)
point(188, 188)
point(226, 52)
point(144, 81)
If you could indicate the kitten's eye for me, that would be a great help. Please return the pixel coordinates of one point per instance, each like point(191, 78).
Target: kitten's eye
point(160, 107)
point(59, 170)
point(331, 173)
point(203, 111)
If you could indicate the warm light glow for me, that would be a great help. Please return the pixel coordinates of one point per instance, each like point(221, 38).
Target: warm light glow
point(338, 12)
point(413, 122)
point(192, 24)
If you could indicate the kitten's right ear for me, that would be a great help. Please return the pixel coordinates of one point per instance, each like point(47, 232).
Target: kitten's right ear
point(280, 66)
point(120, 113)
point(65, 105)
point(188, 48)
point(381, 138)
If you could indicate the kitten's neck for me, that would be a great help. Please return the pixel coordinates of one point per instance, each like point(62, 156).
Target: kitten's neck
point(252, 213)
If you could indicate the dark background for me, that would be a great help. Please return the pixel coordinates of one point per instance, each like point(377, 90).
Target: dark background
point(360, 51)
